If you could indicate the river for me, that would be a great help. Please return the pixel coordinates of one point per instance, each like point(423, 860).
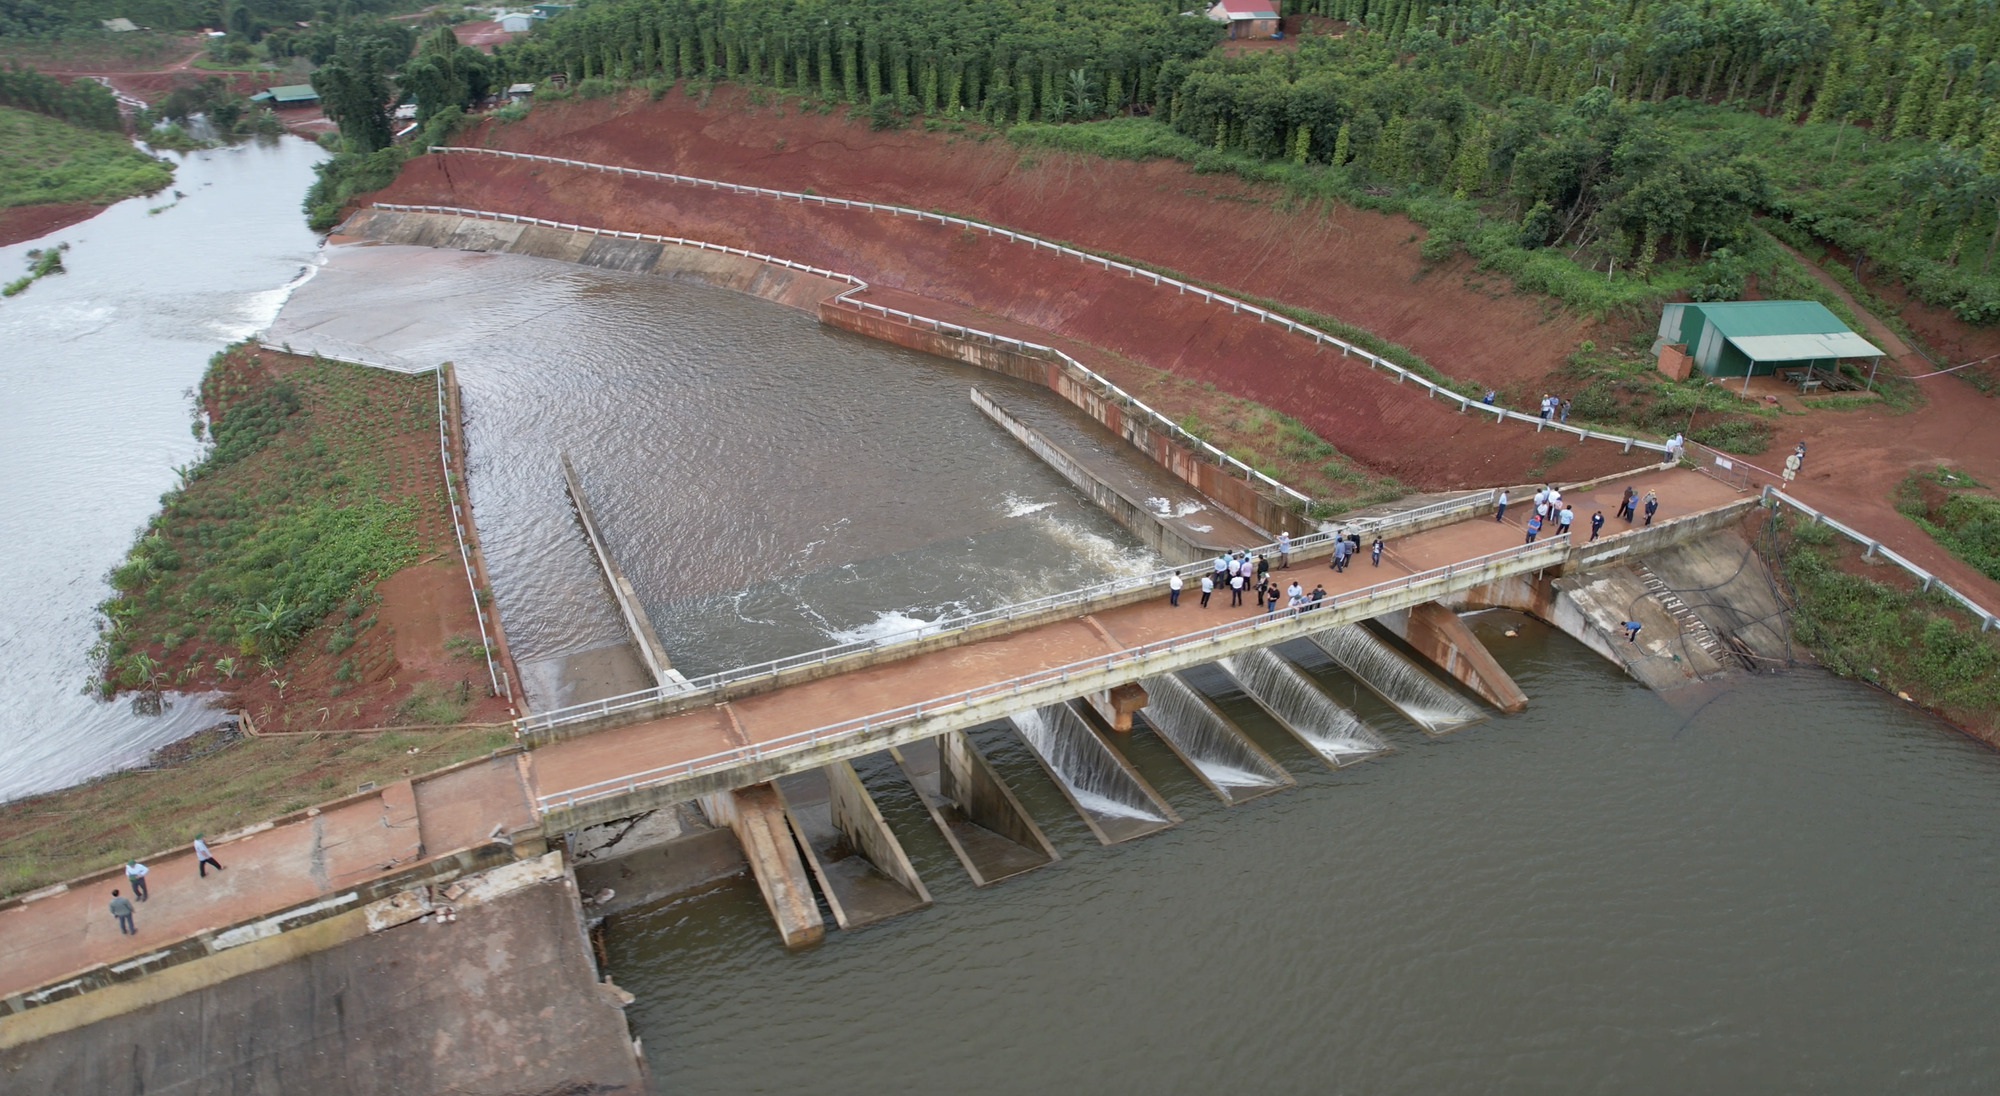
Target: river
point(1783, 883)
point(100, 364)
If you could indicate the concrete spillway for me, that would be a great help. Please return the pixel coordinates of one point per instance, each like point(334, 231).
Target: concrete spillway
point(1300, 706)
point(1114, 800)
point(1421, 698)
point(1212, 746)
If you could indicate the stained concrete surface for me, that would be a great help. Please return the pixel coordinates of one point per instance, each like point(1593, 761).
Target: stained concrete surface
point(503, 1001)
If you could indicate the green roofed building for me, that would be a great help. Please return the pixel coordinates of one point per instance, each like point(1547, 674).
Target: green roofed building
point(1757, 338)
point(288, 95)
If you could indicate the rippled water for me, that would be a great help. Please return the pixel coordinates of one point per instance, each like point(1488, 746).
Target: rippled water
point(98, 366)
point(1786, 887)
point(769, 484)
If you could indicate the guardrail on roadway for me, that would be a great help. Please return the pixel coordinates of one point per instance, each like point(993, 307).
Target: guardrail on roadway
point(1526, 555)
point(1465, 403)
point(1471, 503)
point(1875, 547)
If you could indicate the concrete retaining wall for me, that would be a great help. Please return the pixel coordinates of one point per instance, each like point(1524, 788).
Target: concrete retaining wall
point(1248, 504)
point(637, 623)
point(791, 288)
point(1131, 513)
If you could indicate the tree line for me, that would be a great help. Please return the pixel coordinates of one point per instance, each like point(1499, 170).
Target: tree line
point(80, 102)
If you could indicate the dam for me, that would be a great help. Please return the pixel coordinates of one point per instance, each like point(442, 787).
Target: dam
point(1388, 866)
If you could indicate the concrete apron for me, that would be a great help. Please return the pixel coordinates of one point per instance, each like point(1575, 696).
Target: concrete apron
point(978, 814)
point(861, 867)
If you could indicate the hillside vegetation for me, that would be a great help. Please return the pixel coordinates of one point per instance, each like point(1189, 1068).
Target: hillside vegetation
point(1608, 153)
point(46, 160)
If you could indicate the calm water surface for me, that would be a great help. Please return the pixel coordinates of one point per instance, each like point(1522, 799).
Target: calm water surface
point(96, 375)
point(1785, 887)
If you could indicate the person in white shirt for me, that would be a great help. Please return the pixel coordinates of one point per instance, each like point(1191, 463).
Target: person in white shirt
point(135, 874)
point(1174, 588)
point(1284, 551)
point(205, 858)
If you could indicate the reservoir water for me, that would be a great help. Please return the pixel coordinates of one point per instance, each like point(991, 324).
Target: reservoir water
point(96, 377)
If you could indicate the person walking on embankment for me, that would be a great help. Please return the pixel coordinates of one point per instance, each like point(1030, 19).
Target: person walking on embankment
point(1564, 520)
point(1652, 504)
point(1174, 589)
point(121, 908)
point(1375, 553)
point(135, 874)
point(204, 858)
point(1596, 524)
point(1500, 508)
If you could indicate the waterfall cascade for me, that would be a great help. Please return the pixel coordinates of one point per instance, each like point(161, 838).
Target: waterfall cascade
point(1297, 702)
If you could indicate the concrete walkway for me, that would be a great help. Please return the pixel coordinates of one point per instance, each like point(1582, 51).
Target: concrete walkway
point(772, 716)
point(318, 855)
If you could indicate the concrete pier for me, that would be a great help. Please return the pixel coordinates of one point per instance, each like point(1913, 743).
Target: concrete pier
point(757, 816)
point(1116, 705)
point(1437, 633)
point(982, 821)
point(860, 865)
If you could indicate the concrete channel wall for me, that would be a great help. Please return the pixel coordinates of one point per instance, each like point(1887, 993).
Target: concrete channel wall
point(1259, 509)
point(637, 623)
point(1132, 513)
point(791, 288)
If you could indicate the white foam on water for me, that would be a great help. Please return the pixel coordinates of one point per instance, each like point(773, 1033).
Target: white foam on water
point(1107, 807)
point(1230, 776)
point(893, 624)
point(1018, 507)
point(1101, 552)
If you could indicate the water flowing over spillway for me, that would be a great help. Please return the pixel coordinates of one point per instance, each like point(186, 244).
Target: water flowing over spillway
point(1110, 796)
point(1404, 684)
point(1294, 700)
point(1230, 763)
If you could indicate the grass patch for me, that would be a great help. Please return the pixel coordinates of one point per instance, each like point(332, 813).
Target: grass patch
point(1967, 524)
point(303, 501)
point(42, 262)
point(45, 160)
point(214, 788)
point(1892, 635)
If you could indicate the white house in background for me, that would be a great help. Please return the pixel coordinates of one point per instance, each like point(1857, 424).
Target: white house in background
point(119, 25)
point(1247, 18)
point(518, 92)
point(514, 22)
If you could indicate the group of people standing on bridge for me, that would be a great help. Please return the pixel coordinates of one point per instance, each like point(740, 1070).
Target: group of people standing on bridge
point(1551, 511)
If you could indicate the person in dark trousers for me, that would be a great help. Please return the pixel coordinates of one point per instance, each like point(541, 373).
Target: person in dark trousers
point(1652, 504)
point(121, 908)
point(1596, 523)
point(1174, 589)
point(1500, 511)
point(1236, 590)
point(135, 874)
point(1534, 527)
point(1263, 565)
point(1631, 631)
point(203, 858)
point(1375, 553)
point(1207, 588)
point(1626, 504)
point(1318, 594)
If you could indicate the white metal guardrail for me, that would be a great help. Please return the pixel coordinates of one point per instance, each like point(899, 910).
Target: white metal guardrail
point(803, 740)
point(1472, 503)
point(464, 553)
point(1465, 403)
point(1875, 547)
point(846, 298)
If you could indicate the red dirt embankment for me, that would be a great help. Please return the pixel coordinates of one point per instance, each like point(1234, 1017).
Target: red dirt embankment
point(1392, 428)
point(19, 224)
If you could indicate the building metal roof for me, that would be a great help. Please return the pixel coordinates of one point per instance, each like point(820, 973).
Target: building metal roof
point(294, 93)
point(1226, 10)
point(1785, 348)
point(1735, 318)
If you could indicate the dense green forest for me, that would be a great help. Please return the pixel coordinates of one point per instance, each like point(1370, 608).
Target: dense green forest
point(250, 18)
point(84, 103)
